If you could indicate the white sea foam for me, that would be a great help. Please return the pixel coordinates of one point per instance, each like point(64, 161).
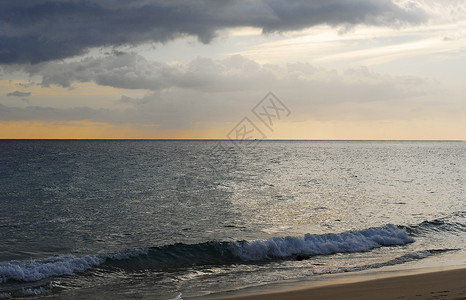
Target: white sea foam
point(39, 269)
point(351, 241)
point(32, 291)
point(60, 265)
point(178, 297)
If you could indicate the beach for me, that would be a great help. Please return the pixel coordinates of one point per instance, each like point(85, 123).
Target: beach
point(154, 220)
point(435, 284)
point(241, 149)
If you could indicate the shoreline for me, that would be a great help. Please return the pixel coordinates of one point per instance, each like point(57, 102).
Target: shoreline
point(425, 283)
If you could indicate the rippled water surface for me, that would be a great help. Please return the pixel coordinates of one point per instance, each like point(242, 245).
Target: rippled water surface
point(160, 219)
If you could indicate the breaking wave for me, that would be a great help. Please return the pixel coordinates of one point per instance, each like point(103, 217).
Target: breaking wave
point(209, 253)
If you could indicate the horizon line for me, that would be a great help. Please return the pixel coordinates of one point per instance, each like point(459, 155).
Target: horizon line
point(213, 139)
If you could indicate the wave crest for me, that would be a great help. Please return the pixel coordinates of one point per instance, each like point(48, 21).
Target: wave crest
point(311, 245)
point(210, 253)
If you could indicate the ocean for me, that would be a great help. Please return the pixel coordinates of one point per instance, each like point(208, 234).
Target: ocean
point(168, 219)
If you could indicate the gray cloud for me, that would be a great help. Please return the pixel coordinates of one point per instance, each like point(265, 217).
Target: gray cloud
point(44, 30)
point(25, 85)
point(233, 74)
point(173, 115)
point(225, 90)
point(8, 113)
point(19, 94)
point(132, 71)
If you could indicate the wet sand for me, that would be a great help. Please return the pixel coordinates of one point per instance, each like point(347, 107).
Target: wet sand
point(439, 284)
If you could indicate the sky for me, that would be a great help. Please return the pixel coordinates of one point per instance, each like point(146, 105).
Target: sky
point(212, 69)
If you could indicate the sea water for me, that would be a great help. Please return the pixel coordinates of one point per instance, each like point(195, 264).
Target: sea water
point(175, 219)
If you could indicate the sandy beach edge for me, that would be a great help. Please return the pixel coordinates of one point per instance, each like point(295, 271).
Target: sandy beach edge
point(428, 283)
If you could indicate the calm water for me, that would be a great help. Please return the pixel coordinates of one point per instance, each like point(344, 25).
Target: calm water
point(167, 219)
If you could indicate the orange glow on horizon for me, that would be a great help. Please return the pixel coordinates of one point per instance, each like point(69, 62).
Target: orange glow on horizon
point(95, 130)
point(377, 130)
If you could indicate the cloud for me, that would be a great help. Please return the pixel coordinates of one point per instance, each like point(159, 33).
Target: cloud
point(162, 113)
point(229, 75)
point(19, 94)
point(8, 113)
point(44, 30)
point(225, 90)
point(25, 85)
point(132, 71)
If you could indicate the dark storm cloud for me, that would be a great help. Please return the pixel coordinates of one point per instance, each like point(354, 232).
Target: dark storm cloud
point(19, 94)
point(37, 31)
